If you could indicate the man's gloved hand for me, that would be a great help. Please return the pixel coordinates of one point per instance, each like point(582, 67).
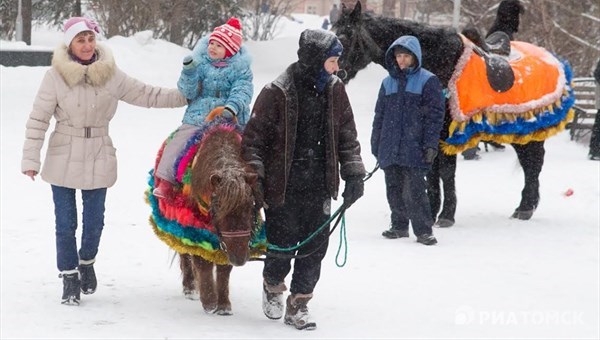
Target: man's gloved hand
point(355, 188)
point(429, 155)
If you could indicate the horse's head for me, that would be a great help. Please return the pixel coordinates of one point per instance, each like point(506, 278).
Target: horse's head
point(366, 38)
point(232, 212)
point(359, 47)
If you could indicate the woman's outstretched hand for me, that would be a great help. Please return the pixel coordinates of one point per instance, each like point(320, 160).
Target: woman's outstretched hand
point(31, 174)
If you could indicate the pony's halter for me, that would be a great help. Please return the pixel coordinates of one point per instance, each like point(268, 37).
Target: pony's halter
point(238, 233)
point(230, 234)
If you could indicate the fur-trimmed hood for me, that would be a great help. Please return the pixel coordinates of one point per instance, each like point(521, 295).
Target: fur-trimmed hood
point(73, 73)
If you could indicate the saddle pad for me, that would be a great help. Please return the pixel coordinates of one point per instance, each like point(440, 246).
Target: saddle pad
point(536, 107)
point(184, 226)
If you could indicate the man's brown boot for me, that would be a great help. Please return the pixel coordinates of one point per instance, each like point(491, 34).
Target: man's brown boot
point(296, 313)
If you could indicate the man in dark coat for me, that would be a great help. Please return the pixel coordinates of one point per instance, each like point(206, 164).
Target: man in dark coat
point(408, 118)
point(594, 153)
point(334, 14)
point(300, 138)
point(507, 18)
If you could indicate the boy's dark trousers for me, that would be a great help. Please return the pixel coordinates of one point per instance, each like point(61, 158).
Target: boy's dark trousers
point(407, 196)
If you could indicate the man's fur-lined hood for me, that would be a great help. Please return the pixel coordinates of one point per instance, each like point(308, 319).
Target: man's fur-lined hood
point(73, 73)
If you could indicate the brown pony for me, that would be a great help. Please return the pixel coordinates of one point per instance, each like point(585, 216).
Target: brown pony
point(222, 183)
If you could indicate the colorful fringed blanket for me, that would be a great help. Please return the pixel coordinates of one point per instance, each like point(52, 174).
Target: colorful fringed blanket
point(537, 106)
point(186, 226)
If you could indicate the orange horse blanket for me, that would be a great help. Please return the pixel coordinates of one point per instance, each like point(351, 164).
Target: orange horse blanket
point(536, 106)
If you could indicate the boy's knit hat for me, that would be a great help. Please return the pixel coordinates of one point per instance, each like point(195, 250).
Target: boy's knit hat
point(229, 35)
point(76, 25)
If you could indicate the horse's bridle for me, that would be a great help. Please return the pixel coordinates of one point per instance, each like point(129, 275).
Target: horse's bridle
point(366, 44)
point(229, 234)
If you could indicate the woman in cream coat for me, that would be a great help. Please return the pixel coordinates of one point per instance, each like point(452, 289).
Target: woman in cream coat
point(81, 91)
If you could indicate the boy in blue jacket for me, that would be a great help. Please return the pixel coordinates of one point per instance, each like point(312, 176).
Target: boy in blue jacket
point(217, 80)
point(408, 118)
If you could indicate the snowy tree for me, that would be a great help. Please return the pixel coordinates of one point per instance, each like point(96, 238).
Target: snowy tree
point(262, 16)
point(181, 22)
point(8, 15)
point(570, 29)
point(8, 19)
point(56, 12)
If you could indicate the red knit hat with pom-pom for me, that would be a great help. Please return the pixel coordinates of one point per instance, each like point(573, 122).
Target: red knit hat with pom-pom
point(229, 35)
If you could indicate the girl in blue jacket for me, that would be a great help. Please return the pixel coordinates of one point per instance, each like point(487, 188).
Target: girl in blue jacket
point(408, 118)
point(217, 80)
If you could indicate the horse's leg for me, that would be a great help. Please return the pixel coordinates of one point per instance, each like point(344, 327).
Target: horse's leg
point(223, 303)
point(447, 169)
point(187, 271)
point(531, 158)
point(433, 187)
point(203, 272)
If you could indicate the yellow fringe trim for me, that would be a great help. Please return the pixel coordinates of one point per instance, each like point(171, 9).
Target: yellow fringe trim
point(537, 136)
point(215, 256)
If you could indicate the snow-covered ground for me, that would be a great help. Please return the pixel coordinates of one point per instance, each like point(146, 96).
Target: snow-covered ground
point(489, 276)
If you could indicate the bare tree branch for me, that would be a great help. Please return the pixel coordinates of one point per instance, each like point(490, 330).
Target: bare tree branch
point(576, 38)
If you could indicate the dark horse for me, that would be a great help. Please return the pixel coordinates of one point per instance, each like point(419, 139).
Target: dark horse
point(366, 37)
point(212, 221)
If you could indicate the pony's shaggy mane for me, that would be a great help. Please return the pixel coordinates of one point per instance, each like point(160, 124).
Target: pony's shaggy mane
point(218, 160)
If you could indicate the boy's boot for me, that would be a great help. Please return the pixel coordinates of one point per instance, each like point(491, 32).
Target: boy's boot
point(164, 189)
point(71, 287)
point(272, 300)
point(88, 276)
point(296, 313)
point(394, 233)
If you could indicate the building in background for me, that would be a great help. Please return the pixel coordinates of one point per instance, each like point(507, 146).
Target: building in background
point(406, 9)
point(317, 7)
point(390, 8)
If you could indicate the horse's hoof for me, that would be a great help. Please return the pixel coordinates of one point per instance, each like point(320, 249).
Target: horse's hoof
point(444, 223)
point(523, 214)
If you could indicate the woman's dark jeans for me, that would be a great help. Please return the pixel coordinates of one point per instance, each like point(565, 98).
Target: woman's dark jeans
point(65, 211)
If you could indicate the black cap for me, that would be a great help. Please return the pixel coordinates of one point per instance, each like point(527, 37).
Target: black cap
point(314, 47)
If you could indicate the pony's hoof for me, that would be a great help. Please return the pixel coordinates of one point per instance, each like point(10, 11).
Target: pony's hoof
point(209, 310)
point(224, 311)
point(191, 294)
